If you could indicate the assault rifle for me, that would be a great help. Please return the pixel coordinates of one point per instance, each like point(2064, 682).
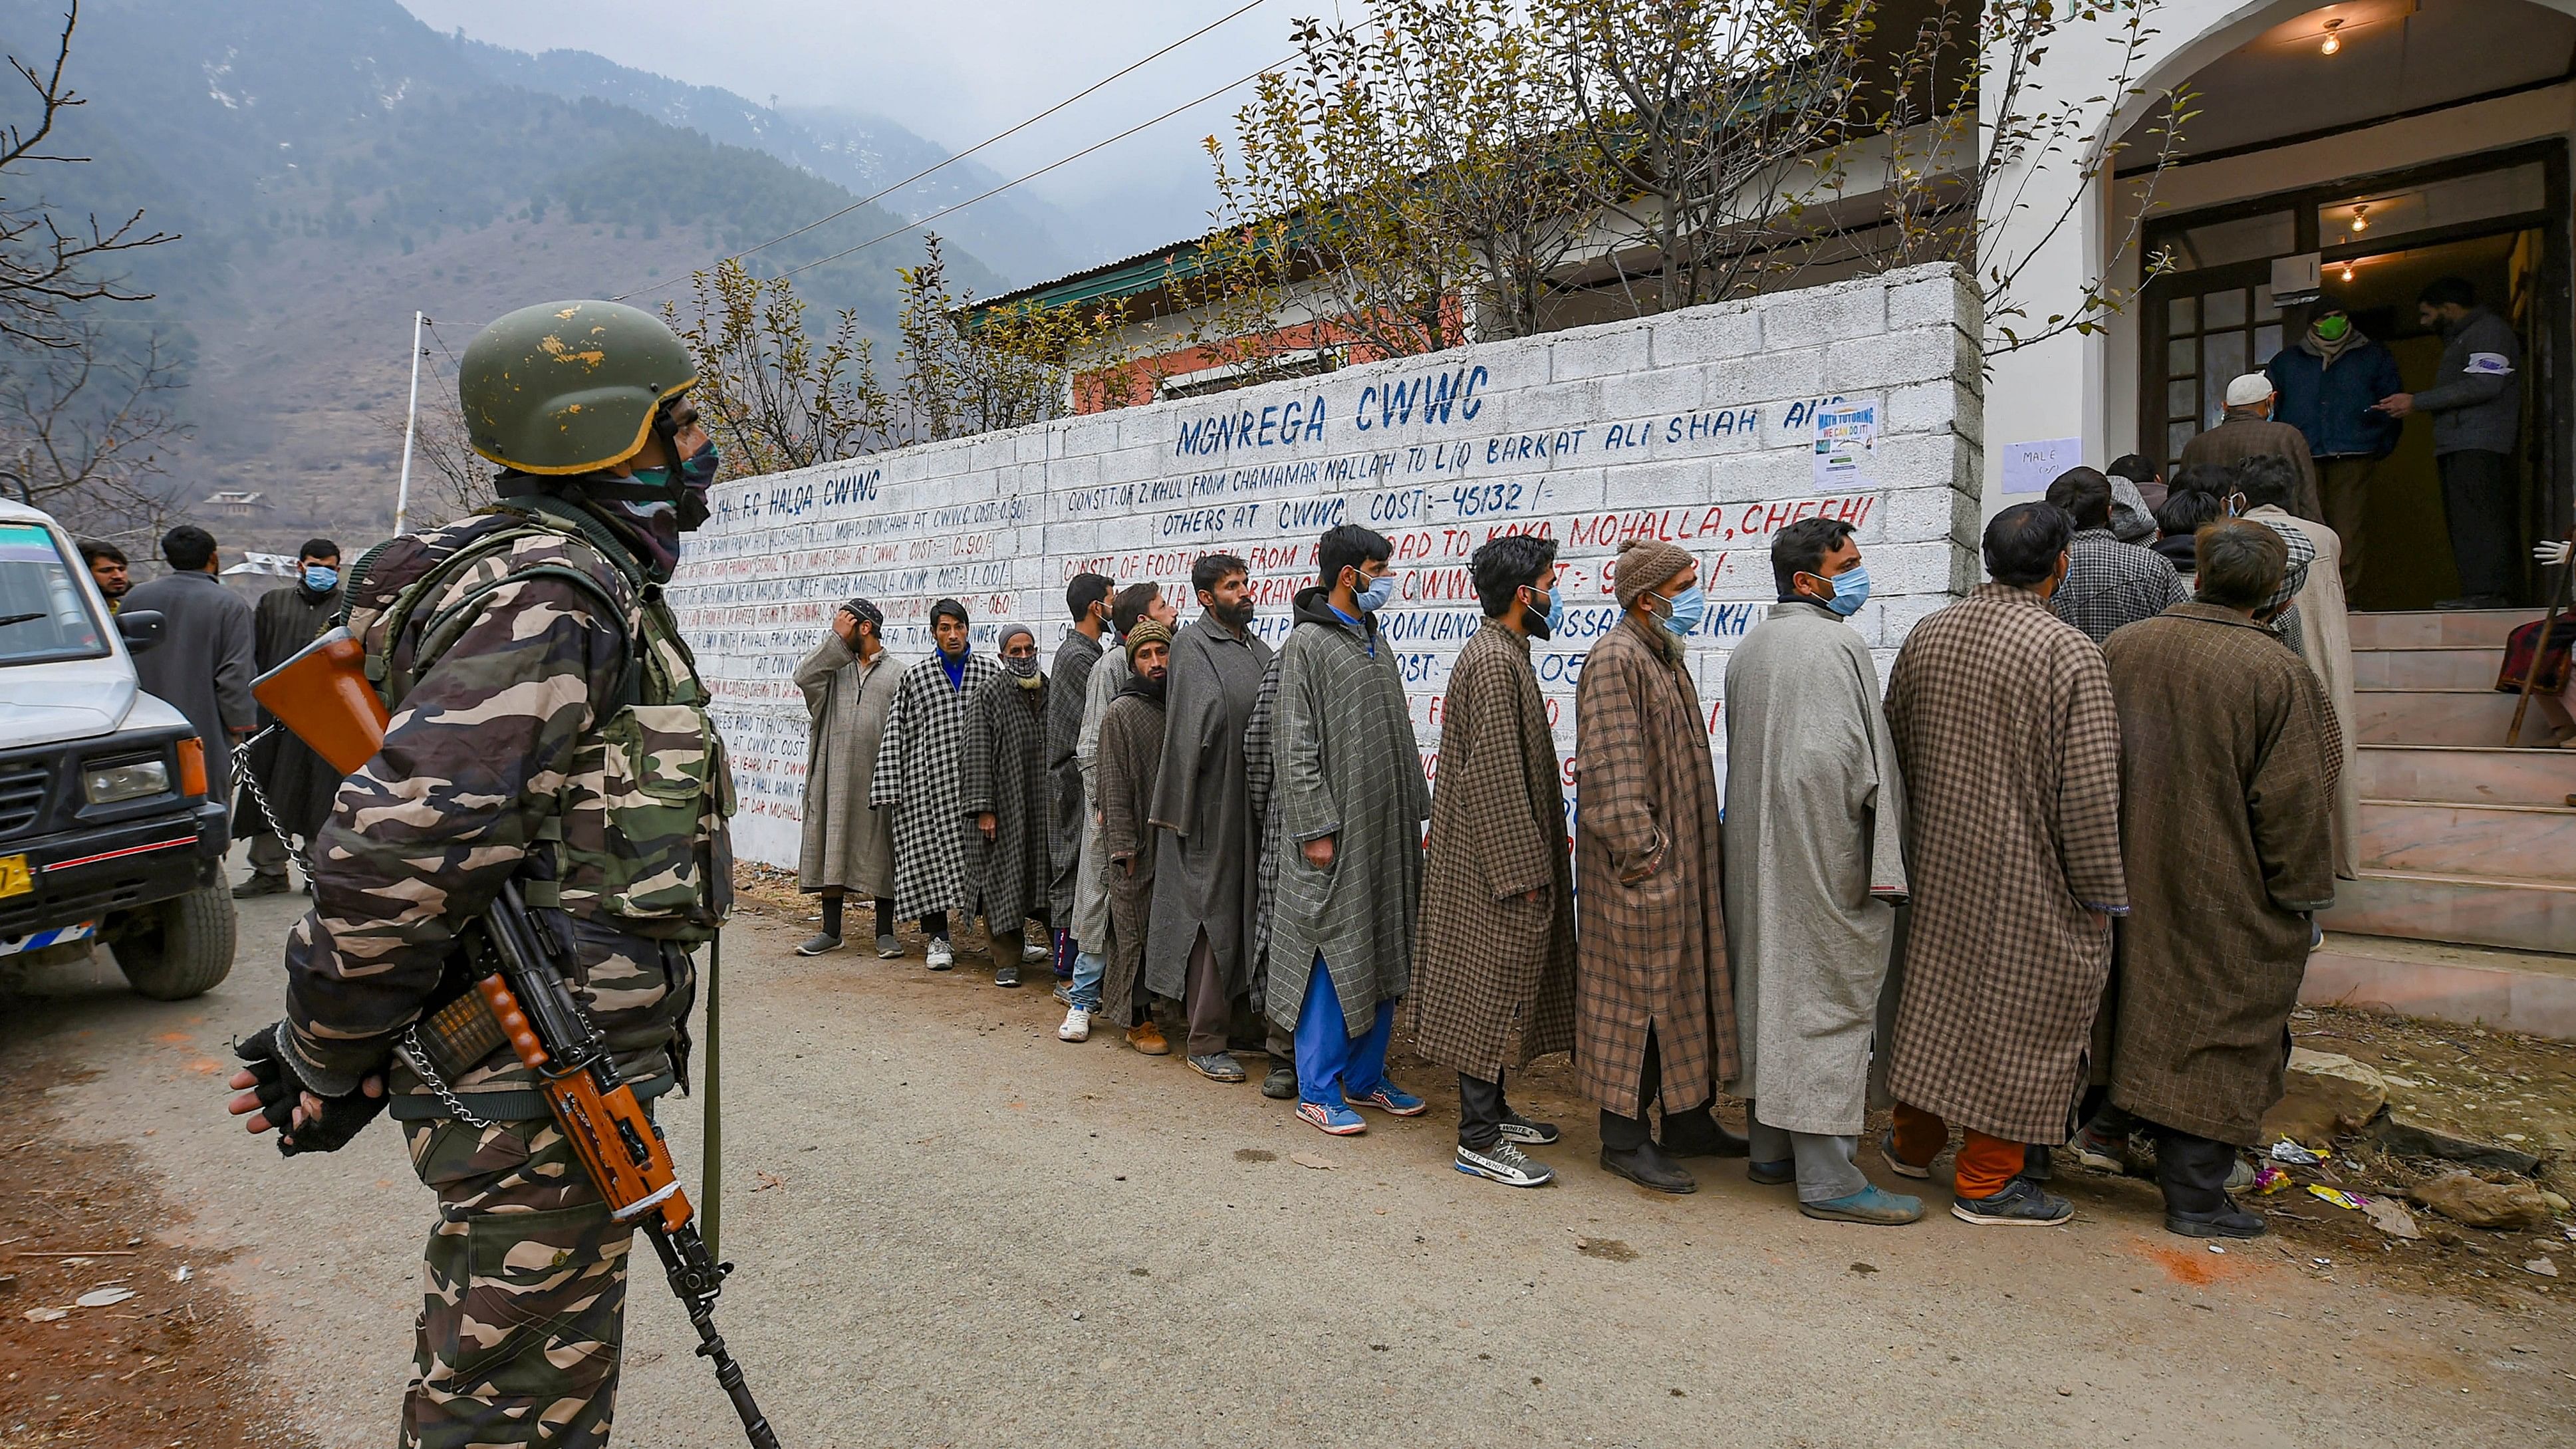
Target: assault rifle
point(520, 997)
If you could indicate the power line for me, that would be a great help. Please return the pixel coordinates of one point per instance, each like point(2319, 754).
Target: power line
point(1032, 176)
point(1247, 7)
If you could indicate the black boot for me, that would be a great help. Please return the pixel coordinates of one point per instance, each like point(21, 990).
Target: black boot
point(1647, 1166)
point(2229, 1221)
point(1697, 1134)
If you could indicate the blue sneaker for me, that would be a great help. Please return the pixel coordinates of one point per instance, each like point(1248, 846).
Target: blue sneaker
point(1772, 1174)
point(1332, 1117)
point(1869, 1205)
point(1389, 1098)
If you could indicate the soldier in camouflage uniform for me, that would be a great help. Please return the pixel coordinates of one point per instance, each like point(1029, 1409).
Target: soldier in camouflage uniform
point(548, 726)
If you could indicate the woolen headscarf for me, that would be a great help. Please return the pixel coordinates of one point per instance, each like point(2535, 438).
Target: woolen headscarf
point(1147, 631)
point(1646, 562)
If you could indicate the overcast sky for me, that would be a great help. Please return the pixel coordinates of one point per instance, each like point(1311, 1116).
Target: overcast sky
point(955, 73)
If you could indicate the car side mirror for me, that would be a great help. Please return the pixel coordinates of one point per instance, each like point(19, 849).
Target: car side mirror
point(140, 628)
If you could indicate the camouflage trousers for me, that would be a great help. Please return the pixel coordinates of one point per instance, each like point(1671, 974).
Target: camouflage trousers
point(526, 1293)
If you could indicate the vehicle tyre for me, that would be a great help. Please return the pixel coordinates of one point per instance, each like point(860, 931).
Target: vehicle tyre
point(180, 947)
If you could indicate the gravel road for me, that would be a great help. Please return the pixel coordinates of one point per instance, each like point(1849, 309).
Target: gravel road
point(955, 1230)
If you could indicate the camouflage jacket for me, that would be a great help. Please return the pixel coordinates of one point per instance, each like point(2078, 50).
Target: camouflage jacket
point(537, 736)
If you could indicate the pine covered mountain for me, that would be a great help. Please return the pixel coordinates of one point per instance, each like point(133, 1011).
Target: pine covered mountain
point(335, 164)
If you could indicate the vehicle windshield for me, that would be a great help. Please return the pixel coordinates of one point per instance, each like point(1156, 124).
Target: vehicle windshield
point(44, 613)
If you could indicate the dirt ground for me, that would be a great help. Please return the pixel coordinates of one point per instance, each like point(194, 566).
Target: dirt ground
point(2496, 1086)
point(175, 1364)
point(956, 1230)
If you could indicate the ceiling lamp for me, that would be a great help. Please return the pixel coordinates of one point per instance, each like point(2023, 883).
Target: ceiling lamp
point(2333, 41)
point(2347, 271)
point(2360, 217)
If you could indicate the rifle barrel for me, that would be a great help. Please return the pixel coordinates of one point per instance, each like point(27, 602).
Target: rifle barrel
point(696, 1279)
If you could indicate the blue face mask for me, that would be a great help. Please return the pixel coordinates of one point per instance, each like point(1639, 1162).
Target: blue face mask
point(1380, 592)
point(1545, 628)
point(1682, 613)
point(1851, 590)
point(321, 578)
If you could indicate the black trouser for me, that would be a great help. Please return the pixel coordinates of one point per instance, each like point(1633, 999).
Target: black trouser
point(2192, 1170)
point(1627, 1134)
point(1480, 1112)
point(935, 925)
point(832, 915)
point(2478, 504)
point(1205, 1005)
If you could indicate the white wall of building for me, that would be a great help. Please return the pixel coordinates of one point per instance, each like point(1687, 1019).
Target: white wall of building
point(1697, 427)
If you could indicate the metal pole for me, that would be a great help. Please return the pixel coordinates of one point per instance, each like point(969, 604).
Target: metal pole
point(711, 1166)
point(411, 421)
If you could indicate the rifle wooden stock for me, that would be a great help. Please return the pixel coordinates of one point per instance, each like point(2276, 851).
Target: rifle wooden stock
point(322, 694)
point(609, 1132)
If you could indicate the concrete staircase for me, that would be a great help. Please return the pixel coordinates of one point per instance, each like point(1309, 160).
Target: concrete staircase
point(2466, 906)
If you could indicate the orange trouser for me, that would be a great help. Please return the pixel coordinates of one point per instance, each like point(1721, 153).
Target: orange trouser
point(1984, 1165)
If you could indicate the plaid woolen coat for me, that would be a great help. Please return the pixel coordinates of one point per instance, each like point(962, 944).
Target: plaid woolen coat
point(2004, 728)
point(1650, 948)
point(919, 774)
point(1348, 768)
point(1003, 770)
point(1493, 972)
point(2109, 583)
point(2229, 756)
point(1260, 774)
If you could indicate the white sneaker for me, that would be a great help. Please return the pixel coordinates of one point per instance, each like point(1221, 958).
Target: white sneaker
point(1077, 1026)
point(941, 955)
point(1032, 953)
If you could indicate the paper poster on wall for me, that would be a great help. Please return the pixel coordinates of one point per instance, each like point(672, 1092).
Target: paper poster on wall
point(2031, 467)
point(1845, 435)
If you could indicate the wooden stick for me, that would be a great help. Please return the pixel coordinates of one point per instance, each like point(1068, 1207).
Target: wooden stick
point(2540, 646)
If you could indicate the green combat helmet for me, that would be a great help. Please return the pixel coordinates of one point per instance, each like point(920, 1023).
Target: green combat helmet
point(569, 387)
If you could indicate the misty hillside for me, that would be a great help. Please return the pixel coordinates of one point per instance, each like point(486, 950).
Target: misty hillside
point(335, 164)
point(1020, 236)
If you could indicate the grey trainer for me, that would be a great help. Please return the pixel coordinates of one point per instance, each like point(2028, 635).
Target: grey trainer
point(1506, 1164)
point(2020, 1204)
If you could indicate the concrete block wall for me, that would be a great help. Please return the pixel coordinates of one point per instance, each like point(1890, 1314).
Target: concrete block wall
point(1697, 427)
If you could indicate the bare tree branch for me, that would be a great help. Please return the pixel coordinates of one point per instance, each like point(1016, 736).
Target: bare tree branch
point(83, 425)
point(46, 265)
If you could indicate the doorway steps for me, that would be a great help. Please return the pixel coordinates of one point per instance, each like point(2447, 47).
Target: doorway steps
point(2466, 906)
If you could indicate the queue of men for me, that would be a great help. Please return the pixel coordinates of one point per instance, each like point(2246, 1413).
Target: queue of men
point(1236, 844)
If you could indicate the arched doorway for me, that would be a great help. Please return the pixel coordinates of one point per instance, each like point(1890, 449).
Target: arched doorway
point(2388, 143)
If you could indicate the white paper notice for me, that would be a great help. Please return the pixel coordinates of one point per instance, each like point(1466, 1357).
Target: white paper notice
point(1845, 435)
point(2031, 467)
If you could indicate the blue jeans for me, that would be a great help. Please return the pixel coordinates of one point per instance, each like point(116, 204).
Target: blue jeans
point(1330, 1061)
point(1088, 967)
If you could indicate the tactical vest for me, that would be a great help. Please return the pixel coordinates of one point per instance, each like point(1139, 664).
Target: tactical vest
point(638, 827)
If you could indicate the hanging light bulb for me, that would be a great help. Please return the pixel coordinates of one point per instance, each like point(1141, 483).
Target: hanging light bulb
point(2347, 271)
point(2333, 41)
point(2360, 217)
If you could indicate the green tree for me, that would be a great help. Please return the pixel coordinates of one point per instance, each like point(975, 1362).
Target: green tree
point(775, 396)
point(772, 395)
